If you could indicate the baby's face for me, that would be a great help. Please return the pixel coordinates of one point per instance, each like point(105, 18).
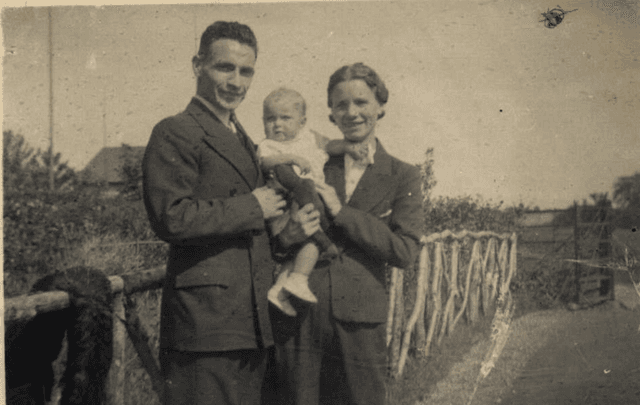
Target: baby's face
point(282, 120)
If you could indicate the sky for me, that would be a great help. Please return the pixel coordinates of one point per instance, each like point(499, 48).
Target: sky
point(515, 112)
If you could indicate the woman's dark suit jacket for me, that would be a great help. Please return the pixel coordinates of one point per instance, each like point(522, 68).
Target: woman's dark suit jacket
point(381, 224)
point(198, 179)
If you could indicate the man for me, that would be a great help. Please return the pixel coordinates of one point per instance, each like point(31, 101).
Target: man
point(205, 195)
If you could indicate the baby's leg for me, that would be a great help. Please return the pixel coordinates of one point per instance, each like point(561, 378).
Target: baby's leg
point(298, 281)
point(304, 192)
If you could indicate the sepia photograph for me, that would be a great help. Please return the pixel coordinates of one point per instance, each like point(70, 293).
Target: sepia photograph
point(321, 202)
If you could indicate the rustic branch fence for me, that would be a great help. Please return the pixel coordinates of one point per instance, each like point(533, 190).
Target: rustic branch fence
point(458, 274)
point(450, 284)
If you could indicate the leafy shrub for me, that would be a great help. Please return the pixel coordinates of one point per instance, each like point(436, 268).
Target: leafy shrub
point(131, 172)
point(41, 230)
point(472, 214)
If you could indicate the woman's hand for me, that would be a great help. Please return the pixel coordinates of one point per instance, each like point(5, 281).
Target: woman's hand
point(330, 198)
point(303, 223)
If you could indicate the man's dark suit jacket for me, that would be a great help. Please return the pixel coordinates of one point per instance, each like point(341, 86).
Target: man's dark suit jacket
point(381, 224)
point(198, 179)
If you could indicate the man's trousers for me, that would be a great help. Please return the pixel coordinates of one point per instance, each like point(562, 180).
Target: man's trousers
point(203, 378)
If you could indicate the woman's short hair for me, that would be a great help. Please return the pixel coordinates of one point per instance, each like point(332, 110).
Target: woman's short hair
point(227, 30)
point(359, 71)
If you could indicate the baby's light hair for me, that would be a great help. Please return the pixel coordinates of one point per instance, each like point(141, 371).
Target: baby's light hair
point(284, 93)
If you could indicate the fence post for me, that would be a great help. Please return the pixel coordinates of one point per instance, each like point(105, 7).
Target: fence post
point(576, 247)
point(115, 380)
point(398, 321)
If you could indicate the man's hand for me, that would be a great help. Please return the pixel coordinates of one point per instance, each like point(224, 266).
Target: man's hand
point(330, 198)
point(303, 223)
point(270, 201)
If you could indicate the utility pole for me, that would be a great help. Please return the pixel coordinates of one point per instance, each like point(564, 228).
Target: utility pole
point(52, 184)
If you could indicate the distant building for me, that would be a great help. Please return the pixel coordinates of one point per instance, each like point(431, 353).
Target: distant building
point(106, 166)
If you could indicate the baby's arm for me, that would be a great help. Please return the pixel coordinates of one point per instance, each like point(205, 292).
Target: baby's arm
point(270, 162)
point(338, 147)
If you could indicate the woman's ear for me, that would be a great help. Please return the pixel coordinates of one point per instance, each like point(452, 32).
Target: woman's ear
point(331, 119)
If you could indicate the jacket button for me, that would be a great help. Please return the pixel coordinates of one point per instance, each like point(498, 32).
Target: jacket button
point(233, 192)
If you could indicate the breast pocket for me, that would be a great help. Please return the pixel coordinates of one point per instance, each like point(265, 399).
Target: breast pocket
point(383, 210)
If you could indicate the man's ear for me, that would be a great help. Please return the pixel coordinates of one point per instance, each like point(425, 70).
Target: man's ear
point(196, 64)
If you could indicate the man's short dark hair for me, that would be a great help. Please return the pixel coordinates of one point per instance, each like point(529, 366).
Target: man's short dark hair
point(227, 30)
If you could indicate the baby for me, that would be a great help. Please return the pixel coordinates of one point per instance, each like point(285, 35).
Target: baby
point(296, 157)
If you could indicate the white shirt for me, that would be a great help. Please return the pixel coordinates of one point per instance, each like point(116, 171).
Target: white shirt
point(353, 170)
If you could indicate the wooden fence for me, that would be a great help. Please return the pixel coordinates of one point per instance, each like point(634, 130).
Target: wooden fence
point(450, 283)
point(125, 321)
point(458, 274)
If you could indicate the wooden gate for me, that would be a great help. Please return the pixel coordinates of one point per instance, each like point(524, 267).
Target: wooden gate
point(575, 245)
point(592, 242)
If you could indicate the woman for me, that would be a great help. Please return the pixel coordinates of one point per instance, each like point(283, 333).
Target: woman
point(335, 351)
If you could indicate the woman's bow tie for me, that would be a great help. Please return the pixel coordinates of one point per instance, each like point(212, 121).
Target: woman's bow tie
point(360, 154)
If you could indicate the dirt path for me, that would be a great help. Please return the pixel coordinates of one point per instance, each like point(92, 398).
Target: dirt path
point(585, 357)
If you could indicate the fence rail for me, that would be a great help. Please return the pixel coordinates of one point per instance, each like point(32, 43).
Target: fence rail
point(467, 282)
point(25, 307)
point(125, 321)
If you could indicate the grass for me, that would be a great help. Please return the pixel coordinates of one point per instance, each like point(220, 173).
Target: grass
point(422, 374)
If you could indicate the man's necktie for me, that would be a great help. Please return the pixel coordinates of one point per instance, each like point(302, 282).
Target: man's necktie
point(239, 130)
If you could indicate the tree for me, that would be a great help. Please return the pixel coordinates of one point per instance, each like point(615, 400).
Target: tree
point(26, 168)
point(426, 172)
point(626, 191)
point(17, 156)
point(63, 175)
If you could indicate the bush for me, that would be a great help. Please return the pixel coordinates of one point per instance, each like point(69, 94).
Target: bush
point(42, 230)
point(472, 214)
point(131, 172)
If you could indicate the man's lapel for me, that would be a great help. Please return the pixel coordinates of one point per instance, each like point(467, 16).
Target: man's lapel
point(375, 183)
point(226, 143)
